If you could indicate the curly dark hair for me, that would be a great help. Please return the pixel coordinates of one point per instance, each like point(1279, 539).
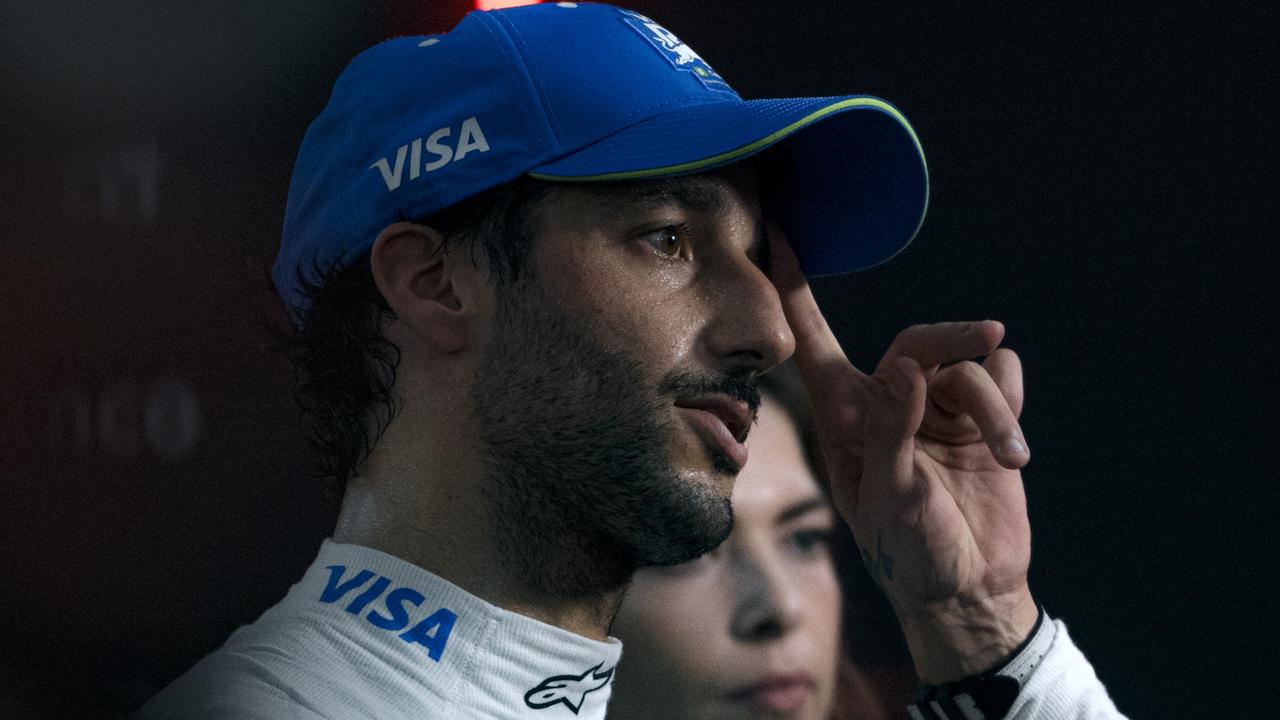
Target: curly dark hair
point(344, 367)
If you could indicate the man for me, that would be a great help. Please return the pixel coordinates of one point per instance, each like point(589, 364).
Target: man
point(537, 265)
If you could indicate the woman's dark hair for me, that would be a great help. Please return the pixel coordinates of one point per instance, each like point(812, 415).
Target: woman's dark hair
point(344, 367)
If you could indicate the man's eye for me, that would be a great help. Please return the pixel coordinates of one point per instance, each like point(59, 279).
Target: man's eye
point(669, 241)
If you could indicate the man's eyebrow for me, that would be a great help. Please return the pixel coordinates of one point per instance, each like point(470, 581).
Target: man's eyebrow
point(693, 193)
point(803, 507)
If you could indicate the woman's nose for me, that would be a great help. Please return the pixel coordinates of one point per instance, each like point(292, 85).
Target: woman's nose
point(767, 603)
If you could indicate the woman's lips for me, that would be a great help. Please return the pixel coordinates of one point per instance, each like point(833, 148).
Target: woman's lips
point(711, 425)
point(784, 694)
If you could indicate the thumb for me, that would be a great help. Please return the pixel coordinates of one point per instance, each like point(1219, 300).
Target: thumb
point(893, 420)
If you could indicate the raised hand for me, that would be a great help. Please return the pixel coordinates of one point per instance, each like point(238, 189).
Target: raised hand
point(924, 458)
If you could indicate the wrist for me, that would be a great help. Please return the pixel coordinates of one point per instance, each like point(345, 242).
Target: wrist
point(958, 638)
point(993, 693)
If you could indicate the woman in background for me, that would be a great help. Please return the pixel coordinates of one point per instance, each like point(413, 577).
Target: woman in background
point(753, 628)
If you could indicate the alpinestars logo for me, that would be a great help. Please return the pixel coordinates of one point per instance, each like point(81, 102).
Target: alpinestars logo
point(571, 690)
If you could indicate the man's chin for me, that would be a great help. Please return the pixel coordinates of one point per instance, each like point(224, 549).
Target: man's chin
point(698, 533)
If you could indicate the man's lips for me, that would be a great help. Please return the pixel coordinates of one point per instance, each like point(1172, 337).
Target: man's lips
point(778, 693)
point(724, 420)
point(735, 414)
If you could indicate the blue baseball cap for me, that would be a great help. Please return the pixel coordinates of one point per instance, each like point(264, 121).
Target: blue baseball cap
point(584, 92)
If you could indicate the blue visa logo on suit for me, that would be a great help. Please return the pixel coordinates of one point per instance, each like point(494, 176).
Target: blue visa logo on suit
point(431, 632)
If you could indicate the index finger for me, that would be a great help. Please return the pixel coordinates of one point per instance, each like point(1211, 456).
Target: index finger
point(941, 343)
point(818, 353)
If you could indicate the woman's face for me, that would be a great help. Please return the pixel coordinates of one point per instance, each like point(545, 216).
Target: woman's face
point(752, 629)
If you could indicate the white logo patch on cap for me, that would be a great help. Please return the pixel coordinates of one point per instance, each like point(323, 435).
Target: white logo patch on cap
point(681, 56)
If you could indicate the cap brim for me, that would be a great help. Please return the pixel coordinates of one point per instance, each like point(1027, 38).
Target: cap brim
point(849, 189)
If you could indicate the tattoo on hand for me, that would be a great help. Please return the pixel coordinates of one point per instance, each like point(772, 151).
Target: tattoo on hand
point(882, 564)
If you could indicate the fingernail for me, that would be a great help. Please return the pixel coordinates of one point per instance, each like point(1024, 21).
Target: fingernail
point(1014, 445)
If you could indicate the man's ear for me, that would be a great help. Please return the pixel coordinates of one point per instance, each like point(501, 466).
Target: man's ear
point(413, 273)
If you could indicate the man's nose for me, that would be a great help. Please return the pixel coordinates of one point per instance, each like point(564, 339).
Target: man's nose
point(766, 604)
point(748, 326)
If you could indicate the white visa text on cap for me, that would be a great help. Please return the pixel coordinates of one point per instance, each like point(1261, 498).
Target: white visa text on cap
point(470, 139)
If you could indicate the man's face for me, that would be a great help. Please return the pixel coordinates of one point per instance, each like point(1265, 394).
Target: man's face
point(618, 382)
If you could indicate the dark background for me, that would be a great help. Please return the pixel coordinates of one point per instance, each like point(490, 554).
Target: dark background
point(1104, 182)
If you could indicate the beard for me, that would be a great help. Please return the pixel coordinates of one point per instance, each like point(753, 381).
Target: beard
point(578, 463)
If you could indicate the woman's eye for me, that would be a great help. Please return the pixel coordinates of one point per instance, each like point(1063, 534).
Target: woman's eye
point(668, 241)
point(810, 542)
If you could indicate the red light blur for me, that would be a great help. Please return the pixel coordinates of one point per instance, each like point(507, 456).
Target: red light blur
point(498, 4)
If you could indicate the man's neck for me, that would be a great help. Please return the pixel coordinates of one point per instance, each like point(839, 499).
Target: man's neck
point(446, 527)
